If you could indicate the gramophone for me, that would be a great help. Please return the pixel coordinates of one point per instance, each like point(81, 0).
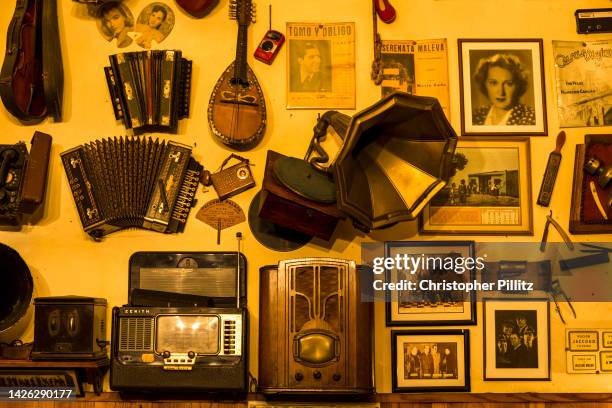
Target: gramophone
point(16, 288)
point(379, 167)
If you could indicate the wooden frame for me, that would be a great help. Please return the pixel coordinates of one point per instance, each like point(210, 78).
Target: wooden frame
point(522, 115)
point(457, 369)
point(510, 213)
point(428, 313)
point(500, 364)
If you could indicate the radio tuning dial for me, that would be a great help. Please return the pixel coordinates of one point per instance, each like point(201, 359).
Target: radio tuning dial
point(191, 355)
point(317, 375)
point(337, 377)
point(299, 376)
point(166, 354)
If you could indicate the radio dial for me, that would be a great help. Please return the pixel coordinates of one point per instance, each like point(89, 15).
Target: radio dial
point(317, 375)
point(299, 376)
point(166, 354)
point(337, 377)
point(191, 355)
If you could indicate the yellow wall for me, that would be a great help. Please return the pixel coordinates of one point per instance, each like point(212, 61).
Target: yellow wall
point(65, 261)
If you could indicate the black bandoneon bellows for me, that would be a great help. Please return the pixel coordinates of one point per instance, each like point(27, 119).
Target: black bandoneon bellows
point(150, 89)
point(69, 327)
point(132, 182)
point(186, 327)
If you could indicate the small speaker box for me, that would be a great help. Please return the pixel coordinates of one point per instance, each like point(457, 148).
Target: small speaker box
point(69, 327)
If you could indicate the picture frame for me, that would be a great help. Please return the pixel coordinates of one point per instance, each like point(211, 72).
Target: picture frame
point(502, 87)
point(516, 339)
point(415, 367)
point(488, 193)
point(423, 308)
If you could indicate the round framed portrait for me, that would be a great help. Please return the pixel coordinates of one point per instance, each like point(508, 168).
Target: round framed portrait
point(115, 22)
point(155, 22)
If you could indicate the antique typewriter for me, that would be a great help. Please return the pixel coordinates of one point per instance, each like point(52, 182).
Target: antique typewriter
point(150, 90)
point(132, 182)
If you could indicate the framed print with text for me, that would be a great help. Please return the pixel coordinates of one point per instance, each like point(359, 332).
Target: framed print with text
point(502, 87)
point(488, 193)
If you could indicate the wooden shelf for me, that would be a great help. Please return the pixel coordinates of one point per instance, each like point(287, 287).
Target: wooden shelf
point(384, 399)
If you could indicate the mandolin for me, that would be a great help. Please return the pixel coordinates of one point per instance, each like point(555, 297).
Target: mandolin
point(237, 110)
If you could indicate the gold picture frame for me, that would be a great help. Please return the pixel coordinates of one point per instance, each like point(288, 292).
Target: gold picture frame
point(488, 193)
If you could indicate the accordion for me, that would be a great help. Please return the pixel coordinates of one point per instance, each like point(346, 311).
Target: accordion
point(150, 90)
point(131, 182)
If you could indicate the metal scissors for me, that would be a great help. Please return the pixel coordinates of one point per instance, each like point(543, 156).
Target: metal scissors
point(557, 290)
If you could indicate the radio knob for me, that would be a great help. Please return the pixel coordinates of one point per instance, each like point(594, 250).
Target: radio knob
point(337, 377)
point(191, 355)
point(166, 354)
point(299, 376)
point(317, 375)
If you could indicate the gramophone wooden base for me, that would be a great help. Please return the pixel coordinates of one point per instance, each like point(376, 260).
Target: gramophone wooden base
point(290, 210)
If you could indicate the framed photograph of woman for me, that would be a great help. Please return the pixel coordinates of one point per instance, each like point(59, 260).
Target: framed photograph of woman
point(442, 261)
point(516, 339)
point(430, 360)
point(502, 87)
point(488, 193)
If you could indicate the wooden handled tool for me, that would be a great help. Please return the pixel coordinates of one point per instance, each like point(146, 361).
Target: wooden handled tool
point(550, 175)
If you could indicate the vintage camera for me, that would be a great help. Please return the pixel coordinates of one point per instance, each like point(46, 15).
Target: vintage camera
point(598, 168)
point(269, 46)
point(232, 180)
point(23, 178)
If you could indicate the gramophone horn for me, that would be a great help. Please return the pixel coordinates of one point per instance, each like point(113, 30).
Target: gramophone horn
point(396, 156)
point(16, 286)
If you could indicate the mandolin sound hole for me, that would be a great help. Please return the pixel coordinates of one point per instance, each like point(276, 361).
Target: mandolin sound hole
point(237, 82)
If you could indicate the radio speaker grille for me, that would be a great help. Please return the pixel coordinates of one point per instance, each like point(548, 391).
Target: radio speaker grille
point(316, 292)
point(136, 334)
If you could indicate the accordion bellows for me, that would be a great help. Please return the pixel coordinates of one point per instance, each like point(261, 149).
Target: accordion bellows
point(150, 89)
point(128, 182)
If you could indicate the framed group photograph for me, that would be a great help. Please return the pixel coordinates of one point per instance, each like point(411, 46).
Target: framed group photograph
point(502, 87)
point(488, 193)
point(430, 360)
point(516, 339)
point(432, 307)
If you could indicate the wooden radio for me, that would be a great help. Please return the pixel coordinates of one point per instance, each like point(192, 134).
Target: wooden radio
point(315, 333)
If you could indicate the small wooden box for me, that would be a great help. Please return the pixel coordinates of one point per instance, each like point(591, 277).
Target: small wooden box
point(290, 210)
point(69, 328)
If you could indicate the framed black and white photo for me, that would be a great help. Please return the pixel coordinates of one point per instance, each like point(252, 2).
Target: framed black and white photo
point(431, 307)
point(502, 87)
point(488, 192)
point(430, 360)
point(516, 339)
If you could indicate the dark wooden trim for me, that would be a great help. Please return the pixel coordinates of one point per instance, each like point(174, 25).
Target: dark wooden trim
point(394, 398)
